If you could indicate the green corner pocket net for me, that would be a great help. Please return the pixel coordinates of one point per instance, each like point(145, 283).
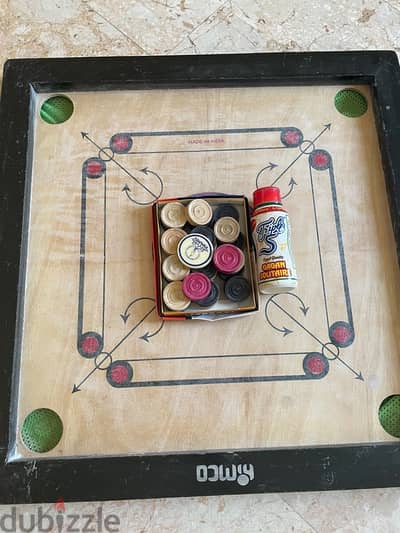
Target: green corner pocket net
point(42, 430)
point(389, 415)
point(56, 109)
point(351, 103)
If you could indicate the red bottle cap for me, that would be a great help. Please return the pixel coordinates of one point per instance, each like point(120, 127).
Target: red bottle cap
point(267, 195)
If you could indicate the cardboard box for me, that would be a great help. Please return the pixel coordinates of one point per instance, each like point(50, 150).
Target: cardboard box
point(224, 307)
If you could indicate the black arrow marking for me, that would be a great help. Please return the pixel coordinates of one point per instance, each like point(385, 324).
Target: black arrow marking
point(357, 374)
point(132, 330)
point(269, 167)
point(136, 180)
point(292, 185)
point(86, 136)
point(124, 318)
point(303, 309)
point(127, 190)
point(327, 127)
point(77, 388)
point(146, 171)
point(125, 315)
point(148, 335)
point(283, 330)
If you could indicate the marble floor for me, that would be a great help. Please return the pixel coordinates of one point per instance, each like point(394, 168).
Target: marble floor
point(54, 28)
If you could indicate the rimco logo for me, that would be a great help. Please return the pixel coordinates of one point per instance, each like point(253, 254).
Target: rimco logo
point(242, 474)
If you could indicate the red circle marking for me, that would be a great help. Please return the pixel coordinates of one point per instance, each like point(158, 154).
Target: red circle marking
point(341, 334)
point(292, 137)
point(120, 143)
point(320, 159)
point(119, 374)
point(90, 345)
point(94, 168)
point(315, 365)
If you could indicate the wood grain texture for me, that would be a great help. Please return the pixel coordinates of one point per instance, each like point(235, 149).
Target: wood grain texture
point(102, 420)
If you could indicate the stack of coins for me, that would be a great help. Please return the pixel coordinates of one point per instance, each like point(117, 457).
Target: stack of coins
point(195, 250)
point(173, 215)
point(170, 239)
point(228, 259)
point(227, 229)
point(196, 286)
point(237, 289)
point(207, 232)
point(174, 298)
point(203, 256)
point(199, 212)
point(226, 210)
point(173, 269)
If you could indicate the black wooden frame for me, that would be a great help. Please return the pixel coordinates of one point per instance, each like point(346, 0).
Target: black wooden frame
point(289, 469)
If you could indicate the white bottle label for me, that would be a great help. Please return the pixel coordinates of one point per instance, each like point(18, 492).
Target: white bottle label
point(271, 236)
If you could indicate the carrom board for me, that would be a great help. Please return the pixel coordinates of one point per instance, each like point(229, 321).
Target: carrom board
point(292, 397)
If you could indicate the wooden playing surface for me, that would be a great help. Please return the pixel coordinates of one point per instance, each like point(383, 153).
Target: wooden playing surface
point(274, 402)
